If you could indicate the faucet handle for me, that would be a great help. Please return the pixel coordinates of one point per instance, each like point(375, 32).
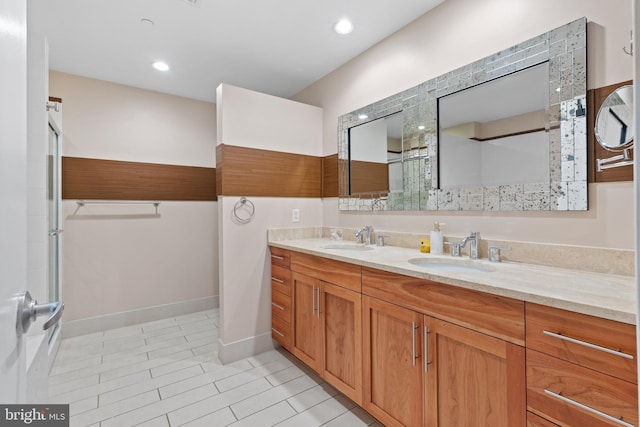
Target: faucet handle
point(380, 239)
point(494, 252)
point(455, 248)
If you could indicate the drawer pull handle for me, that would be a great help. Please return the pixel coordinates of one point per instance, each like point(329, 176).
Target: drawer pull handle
point(277, 332)
point(278, 306)
point(587, 344)
point(275, 279)
point(588, 409)
point(281, 258)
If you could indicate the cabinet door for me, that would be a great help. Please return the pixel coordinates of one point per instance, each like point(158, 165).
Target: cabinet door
point(472, 379)
point(307, 332)
point(341, 314)
point(392, 364)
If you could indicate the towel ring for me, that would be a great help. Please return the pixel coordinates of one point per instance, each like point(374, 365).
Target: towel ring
point(247, 205)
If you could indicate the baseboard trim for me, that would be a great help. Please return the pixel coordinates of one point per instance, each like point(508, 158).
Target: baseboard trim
point(237, 350)
point(92, 325)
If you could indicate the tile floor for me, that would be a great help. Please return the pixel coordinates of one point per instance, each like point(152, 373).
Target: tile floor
point(167, 373)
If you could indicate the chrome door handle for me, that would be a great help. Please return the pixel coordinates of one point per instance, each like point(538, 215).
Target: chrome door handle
point(29, 310)
point(426, 348)
point(413, 343)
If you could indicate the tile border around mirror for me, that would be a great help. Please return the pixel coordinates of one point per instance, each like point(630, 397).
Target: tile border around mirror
point(565, 49)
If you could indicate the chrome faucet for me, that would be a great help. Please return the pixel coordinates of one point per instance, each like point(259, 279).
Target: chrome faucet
point(474, 238)
point(364, 235)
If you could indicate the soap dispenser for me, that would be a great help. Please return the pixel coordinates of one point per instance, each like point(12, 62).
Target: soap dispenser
point(437, 239)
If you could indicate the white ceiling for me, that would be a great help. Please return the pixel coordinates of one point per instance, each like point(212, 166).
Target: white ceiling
point(277, 47)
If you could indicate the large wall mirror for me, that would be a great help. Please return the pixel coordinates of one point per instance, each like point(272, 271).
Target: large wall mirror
point(507, 132)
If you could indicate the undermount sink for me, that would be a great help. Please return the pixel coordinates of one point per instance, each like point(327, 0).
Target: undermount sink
point(348, 247)
point(452, 265)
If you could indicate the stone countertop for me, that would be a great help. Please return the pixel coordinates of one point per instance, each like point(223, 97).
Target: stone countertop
point(603, 295)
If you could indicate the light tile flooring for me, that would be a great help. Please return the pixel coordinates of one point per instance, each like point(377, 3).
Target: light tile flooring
point(167, 373)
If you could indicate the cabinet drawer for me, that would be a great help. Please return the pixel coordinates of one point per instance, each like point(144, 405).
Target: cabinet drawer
point(280, 279)
point(493, 315)
point(600, 344)
point(280, 257)
point(571, 395)
point(535, 421)
point(328, 270)
point(281, 306)
point(281, 332)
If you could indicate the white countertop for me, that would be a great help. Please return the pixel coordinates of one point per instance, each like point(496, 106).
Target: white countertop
point(602, 295)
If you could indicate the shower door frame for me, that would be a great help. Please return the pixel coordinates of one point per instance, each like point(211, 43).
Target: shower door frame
point(54, 216)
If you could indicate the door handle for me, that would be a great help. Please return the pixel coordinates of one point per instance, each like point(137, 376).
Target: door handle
point(29, 310)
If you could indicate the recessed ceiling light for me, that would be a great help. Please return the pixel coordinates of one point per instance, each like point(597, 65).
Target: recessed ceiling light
point(363, 116)
point(344, 26)
point(160, 66)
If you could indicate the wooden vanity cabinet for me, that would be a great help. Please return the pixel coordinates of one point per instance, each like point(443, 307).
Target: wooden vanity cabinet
point(281, 303)
point(535, 421)
point(307, 335)
point(414, 352)
point(393, 381)
point(425, 366)
point(327, 319)
point(580, 369)
point(471, 379)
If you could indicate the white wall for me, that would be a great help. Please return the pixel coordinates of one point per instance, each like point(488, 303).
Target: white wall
point(452, 35)
point(121, 258)
point(256, 120)
point(245, 287)
point(116, 122)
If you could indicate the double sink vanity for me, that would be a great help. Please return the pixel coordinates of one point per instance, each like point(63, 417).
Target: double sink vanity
point(419, 339)
point(453, 341)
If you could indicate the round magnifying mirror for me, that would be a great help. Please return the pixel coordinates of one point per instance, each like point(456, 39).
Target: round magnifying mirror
point(614, 122)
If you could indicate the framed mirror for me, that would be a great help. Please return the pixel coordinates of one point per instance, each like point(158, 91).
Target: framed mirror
point(553, 148)
point(614, 129)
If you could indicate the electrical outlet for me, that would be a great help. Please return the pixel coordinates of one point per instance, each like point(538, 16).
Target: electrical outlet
point(295, 215)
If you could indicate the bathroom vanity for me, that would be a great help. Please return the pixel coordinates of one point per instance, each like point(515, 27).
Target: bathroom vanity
point(416, 340)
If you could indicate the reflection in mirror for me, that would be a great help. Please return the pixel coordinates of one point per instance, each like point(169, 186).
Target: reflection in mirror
point(494, 133)
point(614, 123)
point(375, 156)
point(614, 128)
